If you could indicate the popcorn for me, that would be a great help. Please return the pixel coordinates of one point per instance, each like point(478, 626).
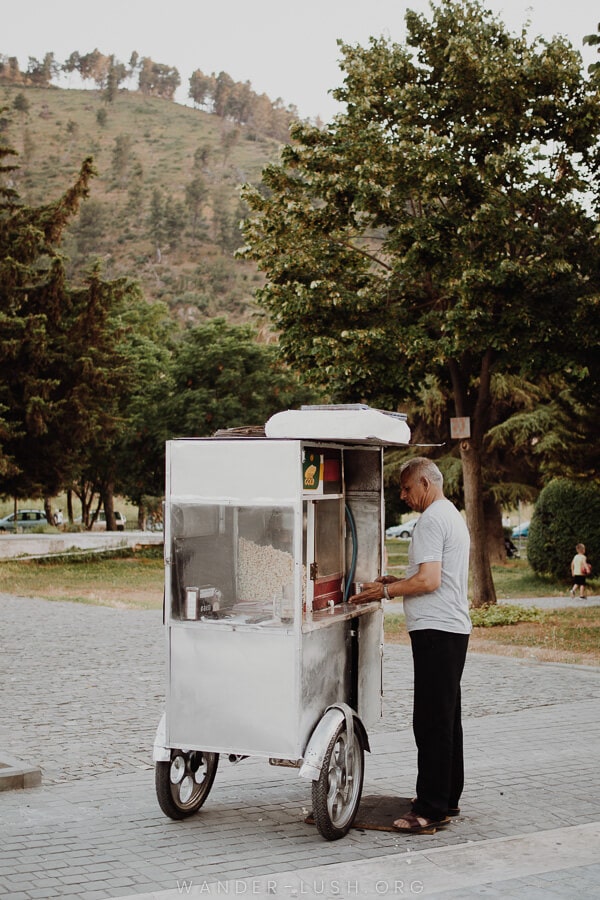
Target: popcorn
point(262, 571)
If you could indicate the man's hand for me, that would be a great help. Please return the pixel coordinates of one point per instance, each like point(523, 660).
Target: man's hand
point(371, 590)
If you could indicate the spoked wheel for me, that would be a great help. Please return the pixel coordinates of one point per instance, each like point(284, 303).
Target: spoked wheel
point(336, 793)
point(183, 784)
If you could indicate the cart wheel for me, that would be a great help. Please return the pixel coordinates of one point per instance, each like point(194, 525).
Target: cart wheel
point(336, 793)
point(183, 784)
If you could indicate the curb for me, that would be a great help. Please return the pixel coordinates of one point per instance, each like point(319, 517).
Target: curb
point(15, 775)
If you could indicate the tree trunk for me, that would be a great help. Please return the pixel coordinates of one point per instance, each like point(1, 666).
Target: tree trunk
point(108, 501)
point(48, 511)
point(483, 591)
point(70, 506)
point(142, 516)
point(494, 531)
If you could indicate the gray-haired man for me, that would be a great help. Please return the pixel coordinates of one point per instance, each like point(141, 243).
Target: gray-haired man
point(437, 618)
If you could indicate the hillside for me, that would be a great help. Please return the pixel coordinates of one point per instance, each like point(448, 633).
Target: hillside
point(164, 208)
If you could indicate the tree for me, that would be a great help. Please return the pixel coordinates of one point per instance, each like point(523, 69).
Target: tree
point(10, 71)
point(59, 348)
point(42, 72)
point(157, 79)
point(566, 513)
point(123, 158)
point(202, 88)
point(224, 85)
point(223, 378)
point(437, 226)
point(594, 41)
point(126, 454)
point(196, 194)
point(117, 73)
point(21, 103)
point(93, 66)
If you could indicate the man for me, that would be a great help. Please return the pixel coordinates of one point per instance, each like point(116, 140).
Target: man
point(437, 618)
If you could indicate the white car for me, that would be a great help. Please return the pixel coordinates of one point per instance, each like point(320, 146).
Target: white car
point(100, 523)
point(403, 531)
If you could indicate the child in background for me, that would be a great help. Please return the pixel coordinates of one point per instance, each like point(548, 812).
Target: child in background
point(579, 569)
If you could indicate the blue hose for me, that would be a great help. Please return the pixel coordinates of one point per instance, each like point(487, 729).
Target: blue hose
point(350, 576)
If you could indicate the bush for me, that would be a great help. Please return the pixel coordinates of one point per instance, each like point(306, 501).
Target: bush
point(504, 614)
point(566, 513)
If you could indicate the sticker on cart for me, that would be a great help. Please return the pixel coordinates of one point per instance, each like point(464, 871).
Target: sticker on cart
point(312, 470)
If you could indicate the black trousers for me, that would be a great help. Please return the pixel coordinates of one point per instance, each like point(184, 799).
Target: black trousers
point(438, 659)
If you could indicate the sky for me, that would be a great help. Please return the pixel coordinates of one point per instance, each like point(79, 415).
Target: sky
point(285, 48)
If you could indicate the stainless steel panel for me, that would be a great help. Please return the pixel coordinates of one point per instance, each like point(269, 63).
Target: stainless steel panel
point(242, 470)
point(363, 469)
point(325, 673)
point(366, 511)
point(370, 667)
point(233, 691)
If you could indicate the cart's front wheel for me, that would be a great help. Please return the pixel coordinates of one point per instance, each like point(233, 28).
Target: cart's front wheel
point(183, 784)
point(336, 793)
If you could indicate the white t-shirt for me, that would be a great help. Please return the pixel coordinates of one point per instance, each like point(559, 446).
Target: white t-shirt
point(440, 535)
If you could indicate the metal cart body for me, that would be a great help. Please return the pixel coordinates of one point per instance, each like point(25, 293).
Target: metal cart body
point(264, 541)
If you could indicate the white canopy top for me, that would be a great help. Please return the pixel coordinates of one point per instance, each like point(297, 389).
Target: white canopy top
point(351, 422)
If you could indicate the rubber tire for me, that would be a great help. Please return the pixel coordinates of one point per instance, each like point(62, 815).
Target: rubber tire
point(167, 793)
point(404, 534)
point(334, 781)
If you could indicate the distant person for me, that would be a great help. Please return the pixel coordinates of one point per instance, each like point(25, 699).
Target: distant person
point(436, 607)
point(58, 518)
point(580, 569)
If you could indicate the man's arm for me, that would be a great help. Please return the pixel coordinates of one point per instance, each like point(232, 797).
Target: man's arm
point(427, 579)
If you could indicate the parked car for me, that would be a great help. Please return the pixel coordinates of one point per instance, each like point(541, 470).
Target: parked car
point(100, 523)
point(27, 519)
point(521, 531)
point(403, 531)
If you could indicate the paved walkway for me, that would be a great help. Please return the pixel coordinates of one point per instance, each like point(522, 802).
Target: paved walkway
point(82, 692)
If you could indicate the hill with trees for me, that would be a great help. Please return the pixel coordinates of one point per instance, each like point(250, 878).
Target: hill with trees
point(164, 207)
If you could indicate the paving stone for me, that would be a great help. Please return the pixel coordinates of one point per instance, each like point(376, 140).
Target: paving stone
point(87, 682)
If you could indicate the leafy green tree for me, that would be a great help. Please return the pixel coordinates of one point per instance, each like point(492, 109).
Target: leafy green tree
point(202, 88)
point(41, 72)
point(437, 226)
point(94, 66)
point(21, 103)
point(117, 73)
point(126, 455)
point(158, 79)
point(123, 158)
point(594, 41)
point(196, 194)
point(91, 228)
point(10, 71)
point(59, 348)
point(567, 513)
point(156, 221)
point(224, 86)
point(224, 378)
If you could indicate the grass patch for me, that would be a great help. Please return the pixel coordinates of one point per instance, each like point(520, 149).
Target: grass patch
point(559, 635)
point(121, 578)
point(570, 635)
point(507, 614)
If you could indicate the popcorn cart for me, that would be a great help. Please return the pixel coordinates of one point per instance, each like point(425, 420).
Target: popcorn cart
point(266, 537)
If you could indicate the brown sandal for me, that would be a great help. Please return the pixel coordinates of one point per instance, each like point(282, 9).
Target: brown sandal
point(419, 824)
